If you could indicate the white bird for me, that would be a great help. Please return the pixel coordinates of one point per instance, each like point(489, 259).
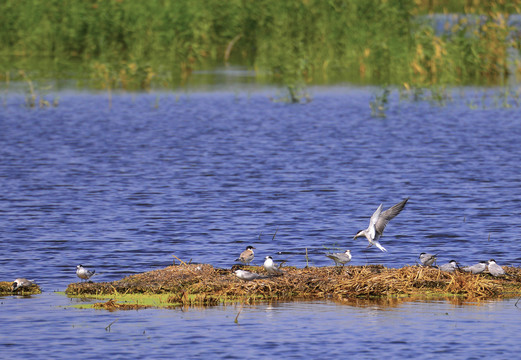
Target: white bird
point(427, 259)
point(270, 267)
point(450, 266)
point(340, 258)
point(84, 273)
point(378, 222)
point(246, 256)
point(495, 269)
point(248, 276)
point(477, 268)
point(21, 283)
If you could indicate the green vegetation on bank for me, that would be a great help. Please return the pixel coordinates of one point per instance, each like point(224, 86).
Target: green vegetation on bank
point(132, 44)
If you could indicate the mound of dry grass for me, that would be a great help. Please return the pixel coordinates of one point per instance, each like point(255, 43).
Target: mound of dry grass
point(206, 285)
point(6, 288)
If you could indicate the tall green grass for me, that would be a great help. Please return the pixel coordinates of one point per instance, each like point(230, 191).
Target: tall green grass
point(132, 43)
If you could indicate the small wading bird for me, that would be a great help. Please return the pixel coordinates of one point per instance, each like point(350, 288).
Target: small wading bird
point(378, 222)
point(246, 256)
point(494, 269)
point(340, 258)
point(450, 266)
point(248, 276)
point(270, 267)
point(477, 268)
point(83, 273)
point(427, 259)
point(21, 283)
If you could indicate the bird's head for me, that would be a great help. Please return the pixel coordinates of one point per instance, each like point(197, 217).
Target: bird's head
point(359, 233)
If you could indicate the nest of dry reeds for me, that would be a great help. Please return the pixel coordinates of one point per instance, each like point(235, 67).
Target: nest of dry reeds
point(206, 285)
point(6, 288)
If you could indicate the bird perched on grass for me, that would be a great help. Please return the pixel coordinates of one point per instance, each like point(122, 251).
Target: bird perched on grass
point(340, 258)
point(450, 266)
point(246, 256)
point(83, 273)
point(270, 267)
point(20, 283)
point(378, 222)
point(495, 270)
point(427, 259)
point(476, 269)
point(247, 275)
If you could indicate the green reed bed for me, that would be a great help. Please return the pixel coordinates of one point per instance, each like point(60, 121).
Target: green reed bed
point(131, 44)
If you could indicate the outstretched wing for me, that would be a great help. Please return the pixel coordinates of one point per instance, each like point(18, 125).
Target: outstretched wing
point(388, 215)
point(374, 221)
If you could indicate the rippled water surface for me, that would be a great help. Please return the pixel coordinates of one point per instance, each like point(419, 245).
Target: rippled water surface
point(42, 328)
point(201, 175)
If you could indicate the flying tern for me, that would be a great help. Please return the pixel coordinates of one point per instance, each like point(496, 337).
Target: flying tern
point(378, 222)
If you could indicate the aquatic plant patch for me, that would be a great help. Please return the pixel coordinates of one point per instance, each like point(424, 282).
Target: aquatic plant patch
point(6, 288)
point(183, 285)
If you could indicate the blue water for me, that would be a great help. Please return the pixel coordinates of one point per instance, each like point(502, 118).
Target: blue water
point(280, 330)
point(202, 175)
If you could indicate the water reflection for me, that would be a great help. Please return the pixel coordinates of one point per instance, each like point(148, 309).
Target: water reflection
point(366, 328)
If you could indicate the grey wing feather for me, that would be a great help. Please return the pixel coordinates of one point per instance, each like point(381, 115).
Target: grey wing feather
point(388, 215)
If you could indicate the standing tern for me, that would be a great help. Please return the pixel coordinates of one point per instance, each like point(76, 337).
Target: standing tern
point(83, 273)
point(340, 258)
point(246, 256)
point(270, 267)
point(378, 222)
point(427, 259)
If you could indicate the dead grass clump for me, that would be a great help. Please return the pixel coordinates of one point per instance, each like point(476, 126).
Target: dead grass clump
point(6, 288)
point(190, 284)
point(170, 279)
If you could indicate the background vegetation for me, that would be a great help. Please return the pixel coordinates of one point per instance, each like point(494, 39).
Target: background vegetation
point(132, 43)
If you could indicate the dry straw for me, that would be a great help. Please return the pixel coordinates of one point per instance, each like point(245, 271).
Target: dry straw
point(192, 284)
